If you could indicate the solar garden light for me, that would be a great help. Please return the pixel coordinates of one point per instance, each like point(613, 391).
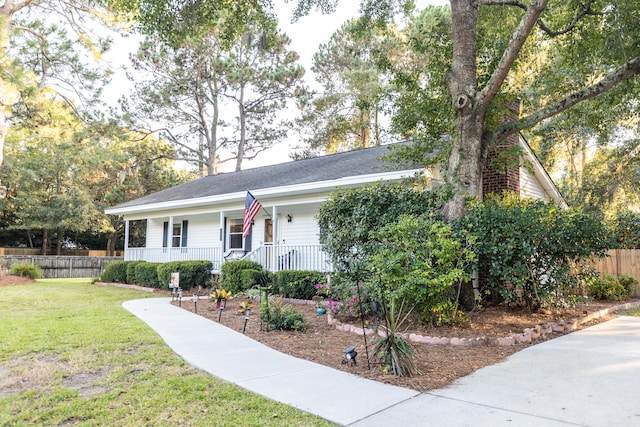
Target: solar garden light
point(180, 296)
point(350, 354)
point(195, 303)
point(223, 303)
point(247, 314)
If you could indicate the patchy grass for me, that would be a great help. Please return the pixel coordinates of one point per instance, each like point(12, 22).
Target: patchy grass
point(71, 355)
point(631, 312)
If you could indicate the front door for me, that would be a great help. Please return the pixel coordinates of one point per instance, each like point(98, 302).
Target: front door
point(268, 242)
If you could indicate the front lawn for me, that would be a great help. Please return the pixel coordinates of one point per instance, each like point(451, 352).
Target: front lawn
point(71, 355)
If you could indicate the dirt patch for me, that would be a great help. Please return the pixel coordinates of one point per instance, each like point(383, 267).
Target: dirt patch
point(15, 280)
point(439, 365)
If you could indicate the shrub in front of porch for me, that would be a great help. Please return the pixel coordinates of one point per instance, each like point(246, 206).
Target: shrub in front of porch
point(297, 284)
point(146, 274)
point(130, 271)
point(115, 272)
point(192, 273)
point(231, 274)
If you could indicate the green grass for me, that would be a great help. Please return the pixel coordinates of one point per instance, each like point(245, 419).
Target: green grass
point(71, 355)
point(631, 312)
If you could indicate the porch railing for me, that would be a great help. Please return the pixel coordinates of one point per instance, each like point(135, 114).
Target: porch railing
point(271, 257)
point(291, 257)
point(175, 254)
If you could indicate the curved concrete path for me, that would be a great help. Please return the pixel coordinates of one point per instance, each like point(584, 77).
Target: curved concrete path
point(587, 378)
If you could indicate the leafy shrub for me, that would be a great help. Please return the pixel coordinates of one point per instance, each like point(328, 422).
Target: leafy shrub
point(25, 269)
point(192, 273)
point(423, 262)
point(297, 284)
point(607, 287)
point(283, 317)
point(146, 274)
point(345, 300)
point(115, 272)
point(532, 252)
point(628, 283)
point(130, 271)
point(349, 218)
point(231, 278)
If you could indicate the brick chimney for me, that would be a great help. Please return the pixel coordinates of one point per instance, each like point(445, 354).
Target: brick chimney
point(494, 181)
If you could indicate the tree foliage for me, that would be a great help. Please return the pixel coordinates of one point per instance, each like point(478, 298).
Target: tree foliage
point(217, 100)
point(348, 112)
point(552, 54)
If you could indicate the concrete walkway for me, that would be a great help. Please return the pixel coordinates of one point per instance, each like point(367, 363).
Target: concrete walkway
point(587, 378)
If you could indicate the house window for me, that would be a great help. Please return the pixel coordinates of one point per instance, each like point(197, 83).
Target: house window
point(178, 234)
point(235, 234)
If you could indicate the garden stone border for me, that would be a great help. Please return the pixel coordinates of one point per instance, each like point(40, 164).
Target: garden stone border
point(527, 336)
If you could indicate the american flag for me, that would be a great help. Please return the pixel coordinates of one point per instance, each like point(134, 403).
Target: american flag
point(251, 209)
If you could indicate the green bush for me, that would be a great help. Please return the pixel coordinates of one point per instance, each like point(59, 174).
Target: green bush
point(254, 278)
point(283, 317)
point(350, 217)
point(297, 284)
point(607, 287)
point(146, 274)
point(628, 283)
point(192, 273)
point(130, 271)
point(532, 252)
point(25, 269)
point(231, 277)
point(115, 272)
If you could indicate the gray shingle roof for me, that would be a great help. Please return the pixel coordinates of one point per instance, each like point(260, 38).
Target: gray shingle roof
point(324, 168)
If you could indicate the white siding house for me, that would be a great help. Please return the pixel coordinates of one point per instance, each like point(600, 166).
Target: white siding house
point(203, 219)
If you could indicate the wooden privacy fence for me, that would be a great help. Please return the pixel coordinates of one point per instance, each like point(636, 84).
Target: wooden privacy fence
point(62, 266)
point(620, 261)
point(53, 251)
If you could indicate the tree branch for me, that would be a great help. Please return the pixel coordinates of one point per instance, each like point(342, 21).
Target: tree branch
point(511, 52)
point(617, 76)
point(583, 10)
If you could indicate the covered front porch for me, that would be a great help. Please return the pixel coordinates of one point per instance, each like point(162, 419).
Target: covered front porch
point(272, 257)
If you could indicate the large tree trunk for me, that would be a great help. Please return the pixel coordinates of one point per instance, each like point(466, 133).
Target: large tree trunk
point(464, 170)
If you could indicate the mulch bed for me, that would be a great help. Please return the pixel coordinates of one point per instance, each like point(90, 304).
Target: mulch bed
point(439, 365)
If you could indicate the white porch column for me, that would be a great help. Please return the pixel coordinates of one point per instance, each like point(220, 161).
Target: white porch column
point(170, 233)
point(276, 237)
point(126, 237)
point(221, 259)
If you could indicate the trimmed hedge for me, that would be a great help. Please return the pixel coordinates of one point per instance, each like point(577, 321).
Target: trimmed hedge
point(192, 273)
point(130, 271)
point(147, 274)
point(115, 272)
point(297, 284)
point(231, 274)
